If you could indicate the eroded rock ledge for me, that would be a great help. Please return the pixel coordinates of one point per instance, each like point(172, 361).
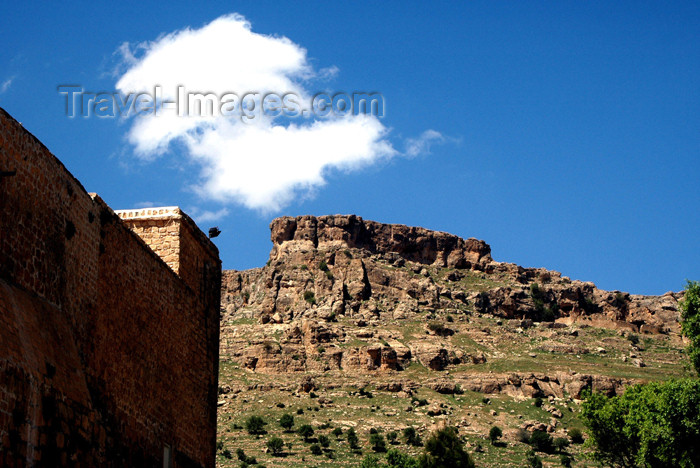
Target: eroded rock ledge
point(415, 244)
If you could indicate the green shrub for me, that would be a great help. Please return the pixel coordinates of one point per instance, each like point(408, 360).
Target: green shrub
point(495, 433)
point(396, 459)
point(544, 312)
point(370, 461)
point(411, 436)
point(315, 449)
point(352, 438)
point(337, 432)
point(437, 327)
point(654, 424)
point(522, 436)
point(287, 421)
point(275, 445)
point(689, 308)
point(445, 449)
point(391, 437)
point(255, 425)
point(560, 443)
point(533, 460)
point(244, 458)
point(306, 431)
point(226, 453)
point(565, 460)
point(377, 442)
point(323, 266)
point(576, 435)
point(324, 441)
point(310, 297)
point(541, 442)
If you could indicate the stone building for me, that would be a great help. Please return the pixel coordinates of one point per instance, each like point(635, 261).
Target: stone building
point(109, 323)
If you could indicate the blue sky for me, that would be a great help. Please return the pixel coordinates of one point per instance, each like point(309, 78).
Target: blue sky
point(564, 134)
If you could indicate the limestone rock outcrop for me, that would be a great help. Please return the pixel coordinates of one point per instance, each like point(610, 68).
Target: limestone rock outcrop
point(343, 294)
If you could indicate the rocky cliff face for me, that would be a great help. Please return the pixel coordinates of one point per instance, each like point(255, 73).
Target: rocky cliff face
point(341, 293)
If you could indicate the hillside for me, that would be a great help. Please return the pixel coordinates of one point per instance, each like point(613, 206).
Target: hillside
point(361, 324)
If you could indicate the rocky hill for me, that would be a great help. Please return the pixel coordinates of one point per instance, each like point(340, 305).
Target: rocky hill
point(349, 303)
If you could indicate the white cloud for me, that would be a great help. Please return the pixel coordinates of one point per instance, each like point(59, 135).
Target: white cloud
point(422, 144)
point(5, 85)
point(205, 216)
point(264, 164)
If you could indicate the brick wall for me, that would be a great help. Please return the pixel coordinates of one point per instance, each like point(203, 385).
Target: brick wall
point(108, 350)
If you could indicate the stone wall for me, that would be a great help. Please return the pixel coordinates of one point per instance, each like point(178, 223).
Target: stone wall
point(108, 351)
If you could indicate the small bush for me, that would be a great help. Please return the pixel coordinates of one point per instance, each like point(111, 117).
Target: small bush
point(560, 443)
point(245, 459)
point(324, 441)
point(533, 460)
point(219, 445)
point(370, 461)
point(522, 436)
point(373, 430)
point(287, 421)
point(565, 460)
point(226, 453)
point(538, 402)
point(634, 339)
point(411, 436)
point(397, 459)
point(436, 327)
point(377, 442)
point(300, 411)
point(275, 445)
point(391, 437)
point(445, 448)
point(310, 297)
point(541, 442)
point(494, 434)
point(255, 425)
point(306, 431)
point(316, 449)
point(337, 432)
point(576, 435)
point(323, 266)
point(352, 438)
